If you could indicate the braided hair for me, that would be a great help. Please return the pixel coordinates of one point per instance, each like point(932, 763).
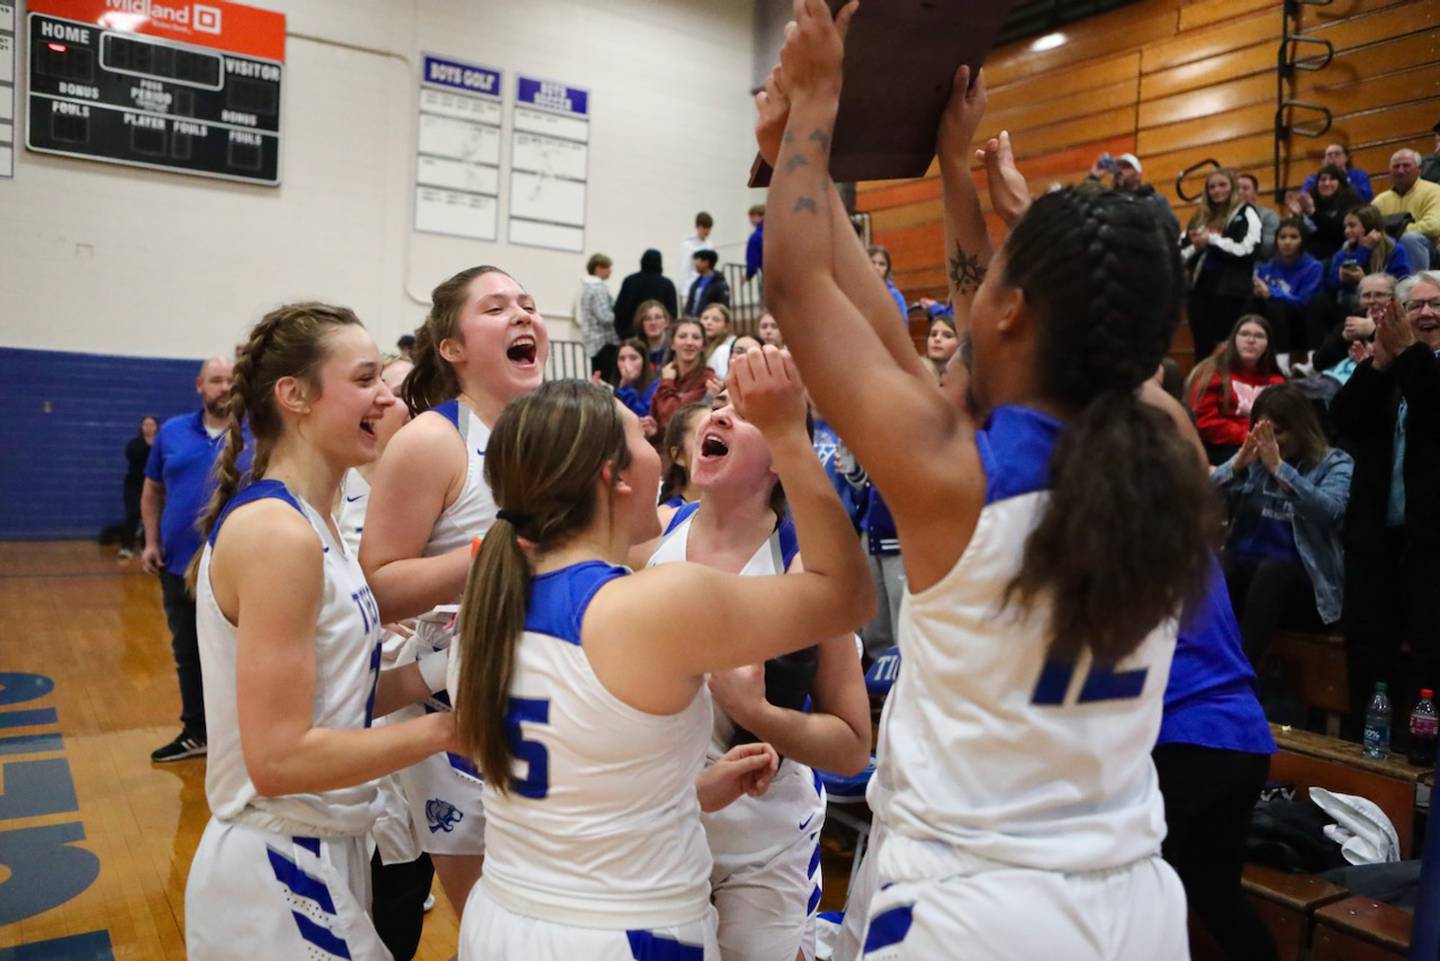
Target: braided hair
point(1122, 542)
point(287, 342)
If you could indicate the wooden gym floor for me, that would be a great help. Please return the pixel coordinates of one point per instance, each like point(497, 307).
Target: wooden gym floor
point(95, 840)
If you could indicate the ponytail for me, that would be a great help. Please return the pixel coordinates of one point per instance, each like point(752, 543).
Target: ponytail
point(492, 617)
point(1122, 542)
point(543, 463)
point(1116, 540)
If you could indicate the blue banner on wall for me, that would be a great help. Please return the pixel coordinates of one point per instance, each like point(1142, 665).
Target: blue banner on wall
point(458, 75)
point(553, 96)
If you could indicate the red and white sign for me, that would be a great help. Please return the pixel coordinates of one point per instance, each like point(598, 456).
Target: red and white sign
point(232, 27)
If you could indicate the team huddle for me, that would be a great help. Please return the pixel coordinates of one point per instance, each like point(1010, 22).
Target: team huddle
point(439, 613)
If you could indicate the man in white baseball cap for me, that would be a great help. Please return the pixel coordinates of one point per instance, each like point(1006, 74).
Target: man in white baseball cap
point(1126, 171)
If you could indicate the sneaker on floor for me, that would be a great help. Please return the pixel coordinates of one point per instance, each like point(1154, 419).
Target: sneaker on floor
point(179, 749)
point(125, 553)
point(429, 902)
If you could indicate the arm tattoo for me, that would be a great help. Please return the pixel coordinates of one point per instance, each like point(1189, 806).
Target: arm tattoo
point(822, 137)
point(787, 137)
point(805, 203)
point(966, 272)
point(796, 161)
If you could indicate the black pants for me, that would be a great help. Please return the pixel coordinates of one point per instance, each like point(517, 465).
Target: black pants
point(131, 530)
point(1296, 327)
point(1389, 601)
point(1211, 317)
point(1268, 595)
point(604, 364)
point(398, 902)
point(1209, 794)
point(180, 614)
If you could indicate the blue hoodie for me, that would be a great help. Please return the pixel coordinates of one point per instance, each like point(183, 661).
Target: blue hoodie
point(1398, 266)
point(1293, 283)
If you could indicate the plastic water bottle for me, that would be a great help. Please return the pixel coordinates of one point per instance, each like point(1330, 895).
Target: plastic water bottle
point(1377, 724)
point(1424, 724)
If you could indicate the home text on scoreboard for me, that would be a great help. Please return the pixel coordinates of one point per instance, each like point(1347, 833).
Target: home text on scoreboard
point(120, 88)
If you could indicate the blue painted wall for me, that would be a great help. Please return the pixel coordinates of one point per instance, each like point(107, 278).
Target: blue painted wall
point(65, 419)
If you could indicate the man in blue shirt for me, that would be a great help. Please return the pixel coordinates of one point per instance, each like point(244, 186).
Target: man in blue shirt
point(178, 486)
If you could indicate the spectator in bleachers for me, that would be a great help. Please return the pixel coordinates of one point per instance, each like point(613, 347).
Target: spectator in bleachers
point(638, 382)
point(1332, 357)
point(691, 246)
point(595, 316)
point(645, 285)
point(743, 343)
point(941, 344)
point(719, 338)
point(1249, 188)
point(1367, 250)
point(880, 258)
point(1287, 287)
point(710, 287)
point(1125, 171)
point(684, 379)
point(1219, 248)
point(1417, 202)
point(1285, 494)
point(677, 453)
point(1336, 155)
point(755, 246)
point(1388, 416)
point(1222, 389)
point(1430, 163)
point(405, 346)
point(137, 454)
point(769, 330)
point(1323, 211)
point(652, 323)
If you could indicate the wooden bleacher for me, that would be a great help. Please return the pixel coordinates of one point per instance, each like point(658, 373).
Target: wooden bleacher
point(1308, 916)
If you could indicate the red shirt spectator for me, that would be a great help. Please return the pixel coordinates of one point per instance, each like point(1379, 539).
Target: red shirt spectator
point(1223, 387)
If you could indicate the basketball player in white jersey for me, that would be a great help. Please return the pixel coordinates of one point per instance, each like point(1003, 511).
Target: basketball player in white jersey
point(582, 690)
point(483, 344)
point(289, 638)
point(1048, 547)
point(765, 884)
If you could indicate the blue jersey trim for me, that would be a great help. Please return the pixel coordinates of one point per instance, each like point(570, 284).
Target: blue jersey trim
point(450, 410)
point(1015, 447)
point(300, 883)
point(260, 490)
point(681, 514)
point(558, 599)
point(649, 946)
point(789, 541)
point(323, 938)
point(888, 927)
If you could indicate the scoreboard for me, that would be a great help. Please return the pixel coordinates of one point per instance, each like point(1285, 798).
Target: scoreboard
point(187, 87)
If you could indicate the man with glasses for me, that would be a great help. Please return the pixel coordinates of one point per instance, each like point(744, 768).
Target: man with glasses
point(1388, 417)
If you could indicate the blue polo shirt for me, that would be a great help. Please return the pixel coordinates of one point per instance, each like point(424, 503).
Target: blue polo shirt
point(180, 459)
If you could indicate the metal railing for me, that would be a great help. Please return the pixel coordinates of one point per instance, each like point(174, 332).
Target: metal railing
point(567, 360)
point(1180, 179)
point(1287, 63)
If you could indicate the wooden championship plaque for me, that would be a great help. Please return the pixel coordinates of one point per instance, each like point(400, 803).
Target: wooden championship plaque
point(900, 59)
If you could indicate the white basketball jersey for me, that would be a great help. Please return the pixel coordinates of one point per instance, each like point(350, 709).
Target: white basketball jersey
point(350, 512)
point(601, 825)
point(771, 557)
point(990, 745)
point(473, 511)
point(347, 662)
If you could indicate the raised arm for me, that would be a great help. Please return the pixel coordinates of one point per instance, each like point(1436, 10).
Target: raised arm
point(420, 473)
point(853, 271)
point(967, 241)
point(829, 336)
point(746, 619)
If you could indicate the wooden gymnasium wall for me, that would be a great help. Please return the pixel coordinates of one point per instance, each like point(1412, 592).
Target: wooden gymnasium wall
point(1177, 82)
